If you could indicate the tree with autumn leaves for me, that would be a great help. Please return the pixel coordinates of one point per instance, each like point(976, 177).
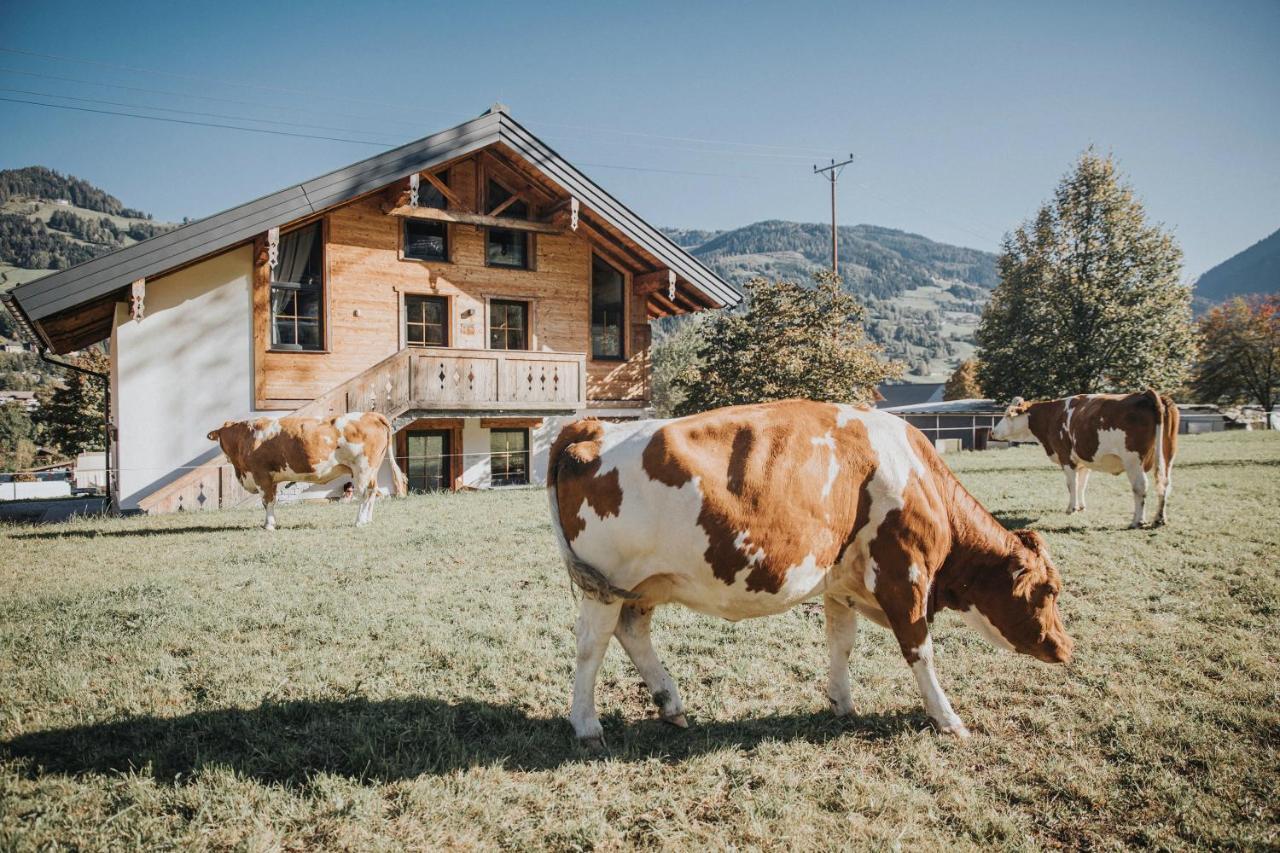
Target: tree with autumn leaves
point(1240, 353)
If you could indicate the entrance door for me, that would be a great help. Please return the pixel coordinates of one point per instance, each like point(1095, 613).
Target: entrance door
point(427, 463)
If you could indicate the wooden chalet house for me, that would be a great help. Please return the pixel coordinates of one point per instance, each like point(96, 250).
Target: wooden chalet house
point(473, 286)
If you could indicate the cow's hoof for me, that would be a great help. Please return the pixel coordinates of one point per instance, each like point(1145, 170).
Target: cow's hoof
point(268, 527)
point(680, 721)
point(840, 709)
point(956, 730)
point(592, 743)
point(1137, 525)
point(1160, 522)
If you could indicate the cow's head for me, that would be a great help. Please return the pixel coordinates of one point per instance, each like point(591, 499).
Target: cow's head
point(1016, 423)
point(216, 434)
point(1015, 605)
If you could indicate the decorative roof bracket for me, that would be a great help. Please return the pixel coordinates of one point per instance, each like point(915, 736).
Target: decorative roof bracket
point(137, 295)
point(273, 247)
point(413, 189)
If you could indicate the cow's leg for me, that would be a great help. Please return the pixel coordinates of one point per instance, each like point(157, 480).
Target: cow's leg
point(904, 603)
point(364, 515)
point(596, 622)
point(1082, 480)
point(1072, 495)
point(269, 504)
point(633, 632)
point(842, 633)
point(1163, 489)
point(1137, 479)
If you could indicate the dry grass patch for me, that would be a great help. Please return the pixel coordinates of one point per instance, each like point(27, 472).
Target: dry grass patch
point(192, 681)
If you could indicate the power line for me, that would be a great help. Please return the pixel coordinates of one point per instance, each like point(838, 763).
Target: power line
point(100, 102)
point(329, 138)
point(398, 106)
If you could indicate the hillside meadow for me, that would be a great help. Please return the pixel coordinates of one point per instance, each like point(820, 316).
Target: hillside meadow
point(193, 682)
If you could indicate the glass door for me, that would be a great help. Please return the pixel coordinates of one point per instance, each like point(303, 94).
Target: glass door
point(427, 464)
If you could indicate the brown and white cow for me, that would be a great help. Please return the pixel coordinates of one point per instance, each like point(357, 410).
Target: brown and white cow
point(268, 451)
point(750, 510)
point(1102, 432)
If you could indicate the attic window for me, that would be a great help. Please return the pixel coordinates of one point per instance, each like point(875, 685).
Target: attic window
point(497, 195)
point(429, 196)
point(297, 291)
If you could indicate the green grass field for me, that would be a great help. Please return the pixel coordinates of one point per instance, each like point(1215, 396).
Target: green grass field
point(191, 681)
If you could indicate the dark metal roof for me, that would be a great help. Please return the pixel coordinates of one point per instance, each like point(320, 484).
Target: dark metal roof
point(103, 275)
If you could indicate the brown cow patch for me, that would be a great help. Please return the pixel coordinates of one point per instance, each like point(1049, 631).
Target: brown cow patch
point(572, 466)
point(762, 475)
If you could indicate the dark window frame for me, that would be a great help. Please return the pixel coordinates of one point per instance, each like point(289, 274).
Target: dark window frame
point(410, 222)
point(526, 236)
point(621, 355)
point(446, 459)
point(320, 289)
point(505, 477)
point(507, 329)
point(445, 326)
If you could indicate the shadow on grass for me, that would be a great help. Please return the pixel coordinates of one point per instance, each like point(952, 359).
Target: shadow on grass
point(290, 742)
point(1014, 522)
point(156, 531)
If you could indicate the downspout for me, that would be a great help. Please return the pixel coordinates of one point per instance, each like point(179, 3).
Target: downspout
point(29, 331)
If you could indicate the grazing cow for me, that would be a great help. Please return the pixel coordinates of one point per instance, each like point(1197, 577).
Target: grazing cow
point(750, 510)
point(1102, 432)
point(269, 451)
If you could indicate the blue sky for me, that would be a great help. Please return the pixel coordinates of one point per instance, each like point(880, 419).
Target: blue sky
point(962, 116)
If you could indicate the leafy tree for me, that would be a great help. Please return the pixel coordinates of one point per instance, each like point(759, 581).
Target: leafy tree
point(17, 438)
point(70, 416)
point(675, 362)
point(1089, 298)
point(1240, 353)
point(963, 383)
point(790, 341)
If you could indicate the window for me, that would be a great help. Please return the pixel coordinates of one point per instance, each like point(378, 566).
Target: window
point(425, 240)
point(427, 463)
point(508, 324)
point(426, 321)
point(506, 247)
point(297, 290)
point(429, 196)
point(509, 457)
point(497, 194)
point(607, 296)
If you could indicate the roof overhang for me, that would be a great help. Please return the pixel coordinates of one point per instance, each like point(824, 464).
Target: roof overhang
point(71, 308)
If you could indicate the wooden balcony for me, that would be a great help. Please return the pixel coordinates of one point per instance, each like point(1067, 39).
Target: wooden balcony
point(461, 380)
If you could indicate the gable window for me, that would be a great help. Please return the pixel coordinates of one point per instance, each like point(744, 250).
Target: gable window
point(426, 240)
point(506, 247)
point(426, 321)
point(608, 287)
point(509, 457)
point(501, 204)
point(297, 291)
point(508, 324)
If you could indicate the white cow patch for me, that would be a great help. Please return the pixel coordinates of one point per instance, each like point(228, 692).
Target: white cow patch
point(833, 465)
point(267, 431)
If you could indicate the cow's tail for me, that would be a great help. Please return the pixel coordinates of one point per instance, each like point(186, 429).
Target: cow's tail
point(399, 486)
point(1162, 415)
point(584, 576)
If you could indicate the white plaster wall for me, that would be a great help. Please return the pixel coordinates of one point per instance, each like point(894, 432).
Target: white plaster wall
point(476, 473)
point(183, 370)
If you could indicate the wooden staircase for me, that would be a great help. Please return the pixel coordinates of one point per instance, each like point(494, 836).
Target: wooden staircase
point(440, 382)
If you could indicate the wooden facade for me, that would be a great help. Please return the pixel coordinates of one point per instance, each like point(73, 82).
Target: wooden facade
point(367, 278)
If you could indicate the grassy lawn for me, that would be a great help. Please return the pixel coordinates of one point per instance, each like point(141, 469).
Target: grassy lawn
point(191, 681)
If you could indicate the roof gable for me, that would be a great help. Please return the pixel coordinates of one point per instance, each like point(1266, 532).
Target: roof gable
point(97, 279)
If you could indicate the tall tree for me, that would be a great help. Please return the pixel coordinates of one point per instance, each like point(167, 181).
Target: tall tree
point(963, 383)
point(17, 438)
point(1240, 353)
point(675, 362)
point(791, 341)
point(70, 416)
point(1089, 298)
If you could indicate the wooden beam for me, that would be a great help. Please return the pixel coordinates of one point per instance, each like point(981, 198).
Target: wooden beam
point(658, 281)
point(452, 197)
point(666, 304)
point(512, 199)
point(438, 215)
point(619, 252)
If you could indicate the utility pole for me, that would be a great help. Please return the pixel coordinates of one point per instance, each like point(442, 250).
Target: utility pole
point(832, 174)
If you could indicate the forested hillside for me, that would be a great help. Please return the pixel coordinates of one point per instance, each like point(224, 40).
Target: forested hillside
point(923, 297)
point(1255, 270)
point(50, 221)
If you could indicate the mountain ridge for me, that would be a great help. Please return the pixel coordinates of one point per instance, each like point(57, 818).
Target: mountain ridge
point(1253, 270)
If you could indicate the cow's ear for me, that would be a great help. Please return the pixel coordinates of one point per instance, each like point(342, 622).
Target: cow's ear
point(213, 434)
point(1032, 540)
point(1014, 405)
